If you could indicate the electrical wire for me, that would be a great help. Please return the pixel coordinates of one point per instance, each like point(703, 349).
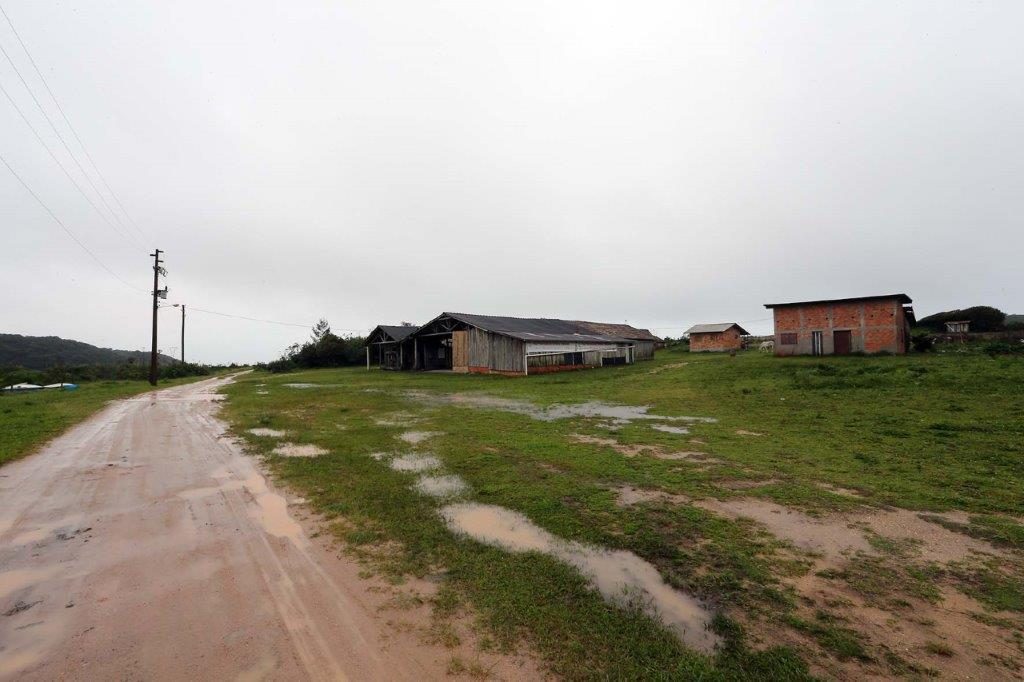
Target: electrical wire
point(57, 133)
point(251, 319)
point(69, 232)
point(71, 127)
point(59, 164)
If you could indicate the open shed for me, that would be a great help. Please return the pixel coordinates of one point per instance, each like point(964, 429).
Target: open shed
point(489, 344)
point(390, 346)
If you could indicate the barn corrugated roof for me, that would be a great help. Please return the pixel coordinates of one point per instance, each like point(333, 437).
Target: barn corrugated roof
point(537, 328)
point(398, 332)
point(624, 330)
point(714, 328)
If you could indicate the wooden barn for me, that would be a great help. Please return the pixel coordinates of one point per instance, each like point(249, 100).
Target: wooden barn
point(708, 338)
point(390, 347)
point(644, 342)
point(490, 344)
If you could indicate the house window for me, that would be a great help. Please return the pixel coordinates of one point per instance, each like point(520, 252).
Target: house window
point(787, 339)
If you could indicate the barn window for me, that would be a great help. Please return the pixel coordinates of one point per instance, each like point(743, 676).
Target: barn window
point(787, 339)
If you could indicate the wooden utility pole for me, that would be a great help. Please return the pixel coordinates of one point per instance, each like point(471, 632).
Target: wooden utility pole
point(156, 295)
point(183, 333)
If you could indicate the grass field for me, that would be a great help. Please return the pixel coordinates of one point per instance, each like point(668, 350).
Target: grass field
point(838, 517)
point(27, 420)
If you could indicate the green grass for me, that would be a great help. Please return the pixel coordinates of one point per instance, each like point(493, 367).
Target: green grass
point(27, 420)
point(931, 433)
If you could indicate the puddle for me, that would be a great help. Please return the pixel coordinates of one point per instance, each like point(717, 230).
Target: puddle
point(272, 510)
point(397, 419)
point(417, 437)
point(262, 392)
point(441, 486)
point(593, 409)
point(379, 456)
point(300, 385)
point(744, 432)
point(667, 428)
point(299, 450)
point(268, 433)
point(414, 463)
point(621, 577)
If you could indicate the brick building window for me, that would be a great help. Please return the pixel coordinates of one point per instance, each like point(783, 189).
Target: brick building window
point(787, 339)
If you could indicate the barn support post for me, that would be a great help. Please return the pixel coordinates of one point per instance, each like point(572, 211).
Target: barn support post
point(367, 357)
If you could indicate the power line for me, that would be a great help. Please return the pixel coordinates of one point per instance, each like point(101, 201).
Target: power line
point(60, 137)
point(71, 127)
point(57, 161)
point(252, 319)
point(65, 228)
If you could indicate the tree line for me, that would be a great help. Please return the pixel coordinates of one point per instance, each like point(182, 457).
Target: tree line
point(323, 349)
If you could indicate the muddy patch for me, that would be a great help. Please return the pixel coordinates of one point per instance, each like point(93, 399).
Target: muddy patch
point(744, 432)
point(627, 496)
point(674, 365)
point(621, 577)
point(634, 450)
point(267, 433)
point(299, 450)
point(587, 410)
point(837, 490)
point(746, 483)
point(448, 485)
point(415, 463)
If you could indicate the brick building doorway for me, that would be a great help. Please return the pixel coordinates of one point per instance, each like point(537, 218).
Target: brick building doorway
point(842, 342)
point(817, 344)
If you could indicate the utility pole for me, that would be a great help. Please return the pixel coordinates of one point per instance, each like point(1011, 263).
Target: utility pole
point(156, 296)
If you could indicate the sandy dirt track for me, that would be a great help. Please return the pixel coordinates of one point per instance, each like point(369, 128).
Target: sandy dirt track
point(143, 544)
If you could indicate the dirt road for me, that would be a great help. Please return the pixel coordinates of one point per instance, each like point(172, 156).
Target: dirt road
point(143, 544)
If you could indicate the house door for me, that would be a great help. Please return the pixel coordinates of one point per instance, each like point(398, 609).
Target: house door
point(842, 342)
point(817, 346)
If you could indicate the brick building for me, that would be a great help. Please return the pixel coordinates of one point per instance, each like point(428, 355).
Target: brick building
point(716, 337)
point(872, 324)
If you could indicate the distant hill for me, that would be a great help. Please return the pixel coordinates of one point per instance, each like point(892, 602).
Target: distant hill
point(43, 352)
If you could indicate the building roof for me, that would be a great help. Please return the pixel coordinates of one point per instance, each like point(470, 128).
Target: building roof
point(537, 328)
point(715, 328)
point(902, 298)
point(391, 333)
point(624, 330)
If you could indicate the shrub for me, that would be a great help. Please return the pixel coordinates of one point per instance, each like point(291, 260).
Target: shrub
point(923, 343)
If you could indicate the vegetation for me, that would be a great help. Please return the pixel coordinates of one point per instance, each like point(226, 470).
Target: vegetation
point(85, 373)
point(324, 349)
point(45, 352)
point(932, 432)
point(983, 318)
point(27, 420)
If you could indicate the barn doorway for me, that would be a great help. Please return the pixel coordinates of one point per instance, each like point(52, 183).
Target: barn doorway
point(817, 344)
point(842, 342)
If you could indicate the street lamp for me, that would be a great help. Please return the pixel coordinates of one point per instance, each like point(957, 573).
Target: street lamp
point(182, 306)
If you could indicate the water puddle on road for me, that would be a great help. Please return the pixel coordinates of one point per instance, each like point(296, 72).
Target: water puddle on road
point(621, 577)
point(415, 463)
point(621, 414)
point(267, 433)
point(449, 485)
point(299, 450)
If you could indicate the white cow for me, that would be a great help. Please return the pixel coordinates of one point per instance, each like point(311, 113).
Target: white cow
point(766, 346)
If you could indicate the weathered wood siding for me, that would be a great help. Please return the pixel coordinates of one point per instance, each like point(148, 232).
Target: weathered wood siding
point(643, 350)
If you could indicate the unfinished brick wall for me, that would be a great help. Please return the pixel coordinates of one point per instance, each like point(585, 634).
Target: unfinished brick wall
point(875, 326)
point(728, 340)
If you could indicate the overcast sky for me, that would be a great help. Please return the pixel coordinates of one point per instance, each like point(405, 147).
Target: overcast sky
point(658, 163)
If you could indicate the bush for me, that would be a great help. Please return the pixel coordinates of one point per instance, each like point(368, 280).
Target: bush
point(324, 349)
point(1004, 348)
point(923, 343)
